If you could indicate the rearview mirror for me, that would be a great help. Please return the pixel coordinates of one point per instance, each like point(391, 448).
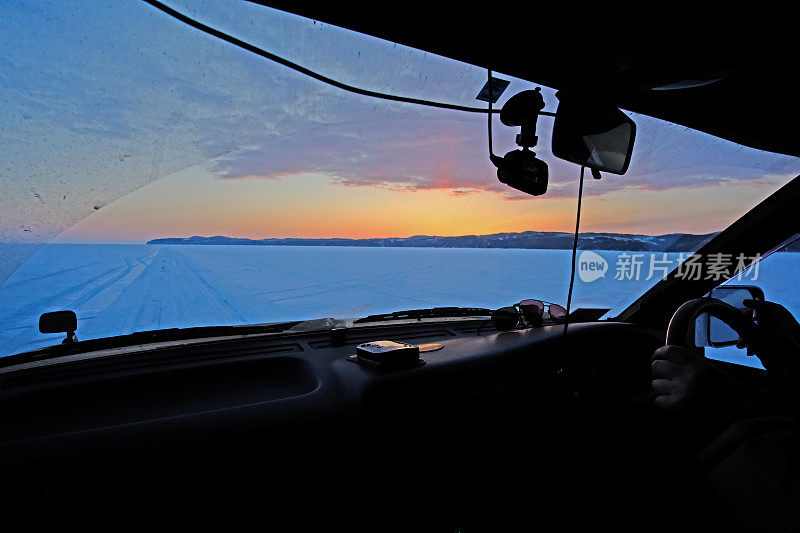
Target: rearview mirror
point(713, 332)
point(597, 136)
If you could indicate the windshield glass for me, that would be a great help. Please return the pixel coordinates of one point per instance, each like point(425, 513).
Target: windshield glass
point(157, 177)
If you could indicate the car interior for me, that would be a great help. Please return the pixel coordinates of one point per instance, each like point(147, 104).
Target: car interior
point(485, 428)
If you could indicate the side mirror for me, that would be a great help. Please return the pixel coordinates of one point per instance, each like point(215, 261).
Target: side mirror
point(598, 136)
point(60, 322)
point(713, 332)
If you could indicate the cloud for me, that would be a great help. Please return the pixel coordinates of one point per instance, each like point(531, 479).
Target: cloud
point(388, 153)
point(393, 153)
point(417, 154)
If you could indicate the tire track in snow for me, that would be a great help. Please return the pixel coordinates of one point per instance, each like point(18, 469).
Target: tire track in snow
point(73, 297)
point(216, 295)
point(24, 281)
point(170, 293)
point(76, 294)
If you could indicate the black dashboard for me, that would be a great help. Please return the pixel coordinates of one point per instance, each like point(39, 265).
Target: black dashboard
point(288, 421)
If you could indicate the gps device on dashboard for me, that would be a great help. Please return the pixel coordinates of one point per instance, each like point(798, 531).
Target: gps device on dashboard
point(387, 354)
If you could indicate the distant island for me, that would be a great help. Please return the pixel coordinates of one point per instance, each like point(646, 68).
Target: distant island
point(541, 240)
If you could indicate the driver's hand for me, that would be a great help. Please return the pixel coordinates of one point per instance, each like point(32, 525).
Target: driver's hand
point(775, 339)
point(776, 335)
point(680, 378)
point(689, 384)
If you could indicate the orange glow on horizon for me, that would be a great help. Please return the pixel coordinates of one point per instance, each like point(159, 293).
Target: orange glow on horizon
point(192, 202)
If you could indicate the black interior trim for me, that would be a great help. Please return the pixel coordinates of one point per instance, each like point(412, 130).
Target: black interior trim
point(616, 53)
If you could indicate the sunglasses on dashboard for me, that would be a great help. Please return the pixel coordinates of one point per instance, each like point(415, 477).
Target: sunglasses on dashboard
point(533, 312)
point(537, 310)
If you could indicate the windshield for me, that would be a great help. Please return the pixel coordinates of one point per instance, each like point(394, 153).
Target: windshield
point(157, 177)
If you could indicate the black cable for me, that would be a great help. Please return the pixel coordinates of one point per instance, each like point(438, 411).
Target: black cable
point(285, 62)
point(574, 251)
point(489, 114)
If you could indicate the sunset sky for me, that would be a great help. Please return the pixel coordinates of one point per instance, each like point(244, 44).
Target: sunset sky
point(122, 125)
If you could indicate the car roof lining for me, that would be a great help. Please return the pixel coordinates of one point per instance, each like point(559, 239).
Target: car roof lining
point(583, 55)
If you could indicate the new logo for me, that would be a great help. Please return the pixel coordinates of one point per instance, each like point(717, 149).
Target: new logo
point(591, 266)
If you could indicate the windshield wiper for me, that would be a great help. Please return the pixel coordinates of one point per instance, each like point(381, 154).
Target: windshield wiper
point(434, 312)
point(143, 337)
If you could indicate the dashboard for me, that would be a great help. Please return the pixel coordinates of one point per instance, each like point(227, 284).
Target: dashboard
point(289, 421)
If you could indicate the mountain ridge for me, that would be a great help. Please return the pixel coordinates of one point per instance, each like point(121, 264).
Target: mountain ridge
point(542, 240)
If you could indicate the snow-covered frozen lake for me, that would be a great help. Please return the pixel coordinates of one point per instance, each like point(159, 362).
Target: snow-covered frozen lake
point(121, 288)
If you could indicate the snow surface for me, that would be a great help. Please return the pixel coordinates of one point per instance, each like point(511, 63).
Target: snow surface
point(121, 288)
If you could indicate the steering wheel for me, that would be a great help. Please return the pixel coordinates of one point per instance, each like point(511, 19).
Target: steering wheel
point(680, 331)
